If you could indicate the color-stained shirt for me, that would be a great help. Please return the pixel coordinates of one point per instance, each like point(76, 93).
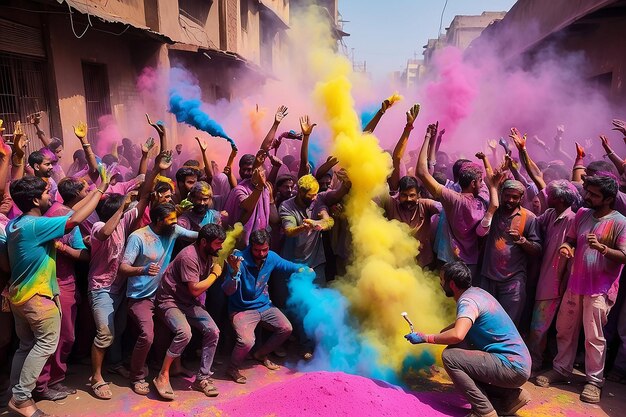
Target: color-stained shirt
point(32, 256)
point(260, 215)
point(593, 273)
point(106, 255)
point(492, 330)
point(185, 268)
point(247, 290)
point(191, 221)
point(418, 219)
point(66, 272)
point(553, 229)
point(145, 247)
point(306, 247)
point(504, 259)
point(463, 212)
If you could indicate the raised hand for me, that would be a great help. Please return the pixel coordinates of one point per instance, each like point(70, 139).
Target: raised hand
point(518, 139)
point(145, 148)
point(411, 115)
point(580, 151)
point(201, 144)
point(276, 162)
point(559, 130)
point(158, 126)
point(605, 143)
point(539, 142)
point(164, 160)
point(280, 114)
point(19, 140)
point(306, 125)
point(342, 175)
point(35, 118)
point(481, 156)
point(80, 130)
point(493, 144)
point(620, 126)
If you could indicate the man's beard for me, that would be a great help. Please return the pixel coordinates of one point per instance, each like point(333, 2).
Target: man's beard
point(200, 209)
point(408, 205)
point(211, 252)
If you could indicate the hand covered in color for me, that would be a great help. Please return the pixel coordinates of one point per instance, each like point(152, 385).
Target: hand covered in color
point(416, 338)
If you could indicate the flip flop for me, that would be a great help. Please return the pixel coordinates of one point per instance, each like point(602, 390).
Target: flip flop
point(166, 392)
point(101, 390)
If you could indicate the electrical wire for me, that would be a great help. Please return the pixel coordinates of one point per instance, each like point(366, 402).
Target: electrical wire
point(72, 23)
point(441, 20)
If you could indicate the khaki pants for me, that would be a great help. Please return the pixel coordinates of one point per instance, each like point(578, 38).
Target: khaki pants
point(591, 311)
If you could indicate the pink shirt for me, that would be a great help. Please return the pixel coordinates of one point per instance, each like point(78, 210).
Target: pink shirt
point(553, 229)
point(106, 255)
point(463, 213)
point(593, 273)
point(260, 215)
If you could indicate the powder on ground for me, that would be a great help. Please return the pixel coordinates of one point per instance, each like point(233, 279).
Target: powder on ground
point(339, 394)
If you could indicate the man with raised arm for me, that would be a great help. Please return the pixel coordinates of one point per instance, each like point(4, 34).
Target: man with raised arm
point(463, 210)
point(33, 287)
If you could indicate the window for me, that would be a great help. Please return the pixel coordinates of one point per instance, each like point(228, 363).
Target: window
point(97, 98)
point(23, 91)
point(243, 10)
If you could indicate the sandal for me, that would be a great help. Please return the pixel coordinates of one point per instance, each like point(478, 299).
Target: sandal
point(266, 362)
point(236, 376)
point(141, 387)
point(165, 391)
point(205, 386)
point(101, 390)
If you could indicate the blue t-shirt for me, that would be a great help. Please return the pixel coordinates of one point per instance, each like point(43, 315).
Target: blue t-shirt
point(247, 290)
point(145, 247)
point(492, 330)
point(32, 256)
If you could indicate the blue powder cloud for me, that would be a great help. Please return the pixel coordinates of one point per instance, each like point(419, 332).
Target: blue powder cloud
point(327, 321)
point(186, 104)
point(368, 114)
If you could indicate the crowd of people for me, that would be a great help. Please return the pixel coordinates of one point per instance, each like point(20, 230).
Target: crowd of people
point(531, 251)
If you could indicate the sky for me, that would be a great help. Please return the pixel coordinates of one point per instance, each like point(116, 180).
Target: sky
point(387, 33)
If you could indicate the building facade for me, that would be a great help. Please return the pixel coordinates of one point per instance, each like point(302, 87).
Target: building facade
point(79, 60)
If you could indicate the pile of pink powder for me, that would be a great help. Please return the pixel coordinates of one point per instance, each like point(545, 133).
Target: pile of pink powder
point(339, 394)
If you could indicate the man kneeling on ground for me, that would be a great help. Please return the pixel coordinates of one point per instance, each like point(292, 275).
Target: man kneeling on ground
point(486, 357)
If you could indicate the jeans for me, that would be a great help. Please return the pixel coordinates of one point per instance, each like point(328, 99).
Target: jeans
point(482, 377)
point(591, 311)
point(54, 370)
point(245, 322)
point(178, 320)
point(110, 318)
point(142, 312)
point(37, 324)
